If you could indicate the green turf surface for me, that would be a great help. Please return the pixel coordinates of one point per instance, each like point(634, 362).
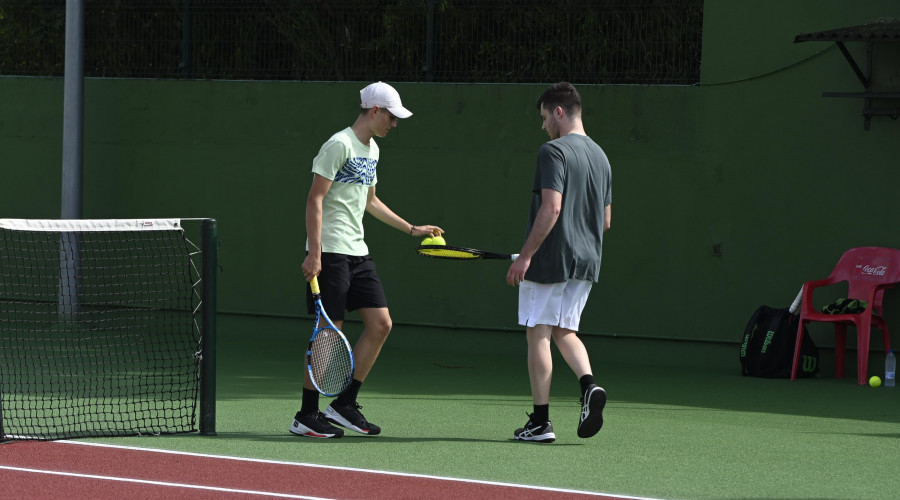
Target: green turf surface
point(681, 422)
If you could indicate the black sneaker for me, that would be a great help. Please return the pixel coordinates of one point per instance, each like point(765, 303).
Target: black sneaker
point(314, 425)
point(350, 417)
point(542, 433)
point(592, 404)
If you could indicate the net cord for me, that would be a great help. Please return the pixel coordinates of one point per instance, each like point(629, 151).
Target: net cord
point(90, 225)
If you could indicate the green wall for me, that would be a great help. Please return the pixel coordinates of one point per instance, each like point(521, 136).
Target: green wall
point(753, 160)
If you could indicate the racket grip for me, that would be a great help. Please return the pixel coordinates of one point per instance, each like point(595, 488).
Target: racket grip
point(796, 305)
point(314, 285)
point(514, 256)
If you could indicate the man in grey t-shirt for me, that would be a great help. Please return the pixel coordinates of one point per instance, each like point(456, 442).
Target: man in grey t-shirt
point(560, 260)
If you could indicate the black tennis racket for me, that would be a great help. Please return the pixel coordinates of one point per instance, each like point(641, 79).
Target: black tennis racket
point(461, 253)
point(329, 358)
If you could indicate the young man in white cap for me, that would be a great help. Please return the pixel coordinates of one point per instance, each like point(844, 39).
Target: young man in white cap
point(343, 189)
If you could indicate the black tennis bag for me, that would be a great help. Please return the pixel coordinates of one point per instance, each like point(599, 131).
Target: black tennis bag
point(768, 346)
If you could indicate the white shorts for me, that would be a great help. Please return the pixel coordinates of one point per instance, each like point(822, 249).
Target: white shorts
point(554, 304)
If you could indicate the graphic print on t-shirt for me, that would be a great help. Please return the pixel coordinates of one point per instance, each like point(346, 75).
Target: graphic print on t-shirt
point(357, 171)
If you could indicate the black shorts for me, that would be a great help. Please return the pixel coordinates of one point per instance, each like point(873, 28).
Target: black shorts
point(347, 283)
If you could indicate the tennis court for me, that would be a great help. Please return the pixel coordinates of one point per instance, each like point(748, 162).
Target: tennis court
point(93, 471)
point(735, 181)
point(681, 422)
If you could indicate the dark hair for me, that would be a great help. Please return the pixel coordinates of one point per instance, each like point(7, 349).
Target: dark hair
point(562, 94)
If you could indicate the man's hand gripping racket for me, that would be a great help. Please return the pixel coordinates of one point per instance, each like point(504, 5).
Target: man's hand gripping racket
point(329, 358)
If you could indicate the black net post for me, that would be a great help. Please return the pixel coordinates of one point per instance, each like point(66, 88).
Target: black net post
point(208, 335)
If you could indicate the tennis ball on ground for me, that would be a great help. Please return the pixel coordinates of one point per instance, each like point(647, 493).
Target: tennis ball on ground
point(875, 381)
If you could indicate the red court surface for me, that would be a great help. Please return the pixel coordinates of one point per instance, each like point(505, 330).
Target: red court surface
point(75, 470)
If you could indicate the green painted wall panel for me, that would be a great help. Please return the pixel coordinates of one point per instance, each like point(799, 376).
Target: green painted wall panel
point(753, 161)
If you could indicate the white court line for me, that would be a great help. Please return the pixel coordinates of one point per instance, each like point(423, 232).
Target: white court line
point(370, 471)
point(161, 483)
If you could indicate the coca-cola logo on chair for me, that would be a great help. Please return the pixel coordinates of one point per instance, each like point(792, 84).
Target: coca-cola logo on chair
point(871, 270)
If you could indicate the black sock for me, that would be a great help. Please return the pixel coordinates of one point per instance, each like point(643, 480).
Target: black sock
point(586, 381)
point(310, 402)
point(541, 414)
point(348, 397)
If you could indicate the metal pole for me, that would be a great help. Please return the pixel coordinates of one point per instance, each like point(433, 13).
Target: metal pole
point(72, 159)
point(209, 265)
point(73, 112)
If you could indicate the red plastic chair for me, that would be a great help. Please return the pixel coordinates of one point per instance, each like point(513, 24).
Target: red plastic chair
point(869, 271)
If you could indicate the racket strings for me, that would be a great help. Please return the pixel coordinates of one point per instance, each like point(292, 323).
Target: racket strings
point(330, 361)
point(446, 253)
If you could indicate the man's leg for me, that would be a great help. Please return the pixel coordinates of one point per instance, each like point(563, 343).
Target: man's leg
point(540, 372)
point(309, 421)
point(540, 363)
point(573, 351)
point(593, 397)
point(344, 410)
point(377, 325)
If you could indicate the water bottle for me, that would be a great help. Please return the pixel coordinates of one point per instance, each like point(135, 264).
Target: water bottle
point(890, 368)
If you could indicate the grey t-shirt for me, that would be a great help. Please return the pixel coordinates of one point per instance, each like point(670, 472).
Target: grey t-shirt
point(578, 168)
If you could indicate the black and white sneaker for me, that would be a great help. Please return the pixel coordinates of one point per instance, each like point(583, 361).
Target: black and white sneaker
point(542, 433)
point(350, 417)
point(314, 425)
point(592, 404)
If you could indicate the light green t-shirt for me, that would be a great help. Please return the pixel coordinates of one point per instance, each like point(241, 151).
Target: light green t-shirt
point(350, 165)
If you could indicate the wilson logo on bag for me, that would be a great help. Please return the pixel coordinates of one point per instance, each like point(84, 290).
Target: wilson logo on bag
point(768, 346)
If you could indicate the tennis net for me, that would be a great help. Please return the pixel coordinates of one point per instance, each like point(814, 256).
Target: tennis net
point(106, 328)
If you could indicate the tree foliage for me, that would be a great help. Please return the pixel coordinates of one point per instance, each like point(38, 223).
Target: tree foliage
point(584, 41)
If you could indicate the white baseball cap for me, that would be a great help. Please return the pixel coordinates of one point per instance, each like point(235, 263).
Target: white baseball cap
point(384, 96)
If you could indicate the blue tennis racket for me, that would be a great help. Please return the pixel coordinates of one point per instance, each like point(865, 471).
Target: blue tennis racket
point(329, 358)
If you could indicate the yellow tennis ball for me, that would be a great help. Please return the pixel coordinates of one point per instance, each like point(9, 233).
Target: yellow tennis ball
point(875, 381)
point(438, 240)
point(428, 241)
